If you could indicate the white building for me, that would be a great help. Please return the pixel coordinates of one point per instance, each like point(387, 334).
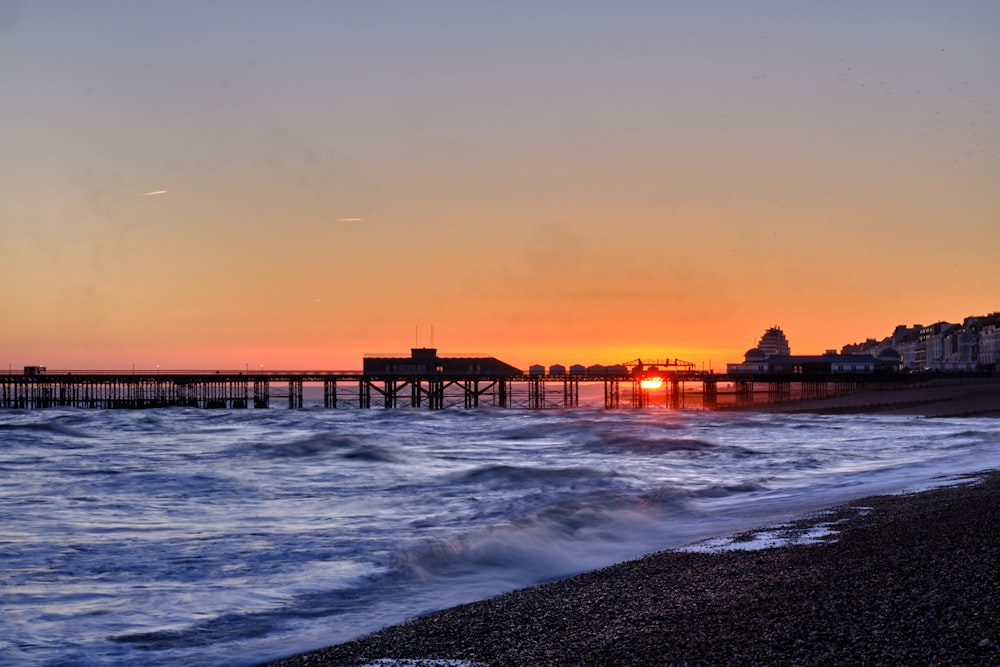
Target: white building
point(773, 343)
point(989, 344)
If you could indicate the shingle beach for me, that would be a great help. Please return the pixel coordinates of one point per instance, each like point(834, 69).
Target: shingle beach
point(908, 579)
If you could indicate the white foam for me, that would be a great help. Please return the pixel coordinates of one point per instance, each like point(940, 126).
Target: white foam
point(771, 537)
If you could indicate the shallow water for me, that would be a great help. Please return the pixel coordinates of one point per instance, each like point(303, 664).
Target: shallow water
point(231, 537)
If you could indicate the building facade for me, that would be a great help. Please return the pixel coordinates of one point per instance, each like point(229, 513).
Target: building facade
point(973, 345)
point(773, 342)
point(773, 357)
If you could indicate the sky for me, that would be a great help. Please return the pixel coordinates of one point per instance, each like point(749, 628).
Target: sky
point(238, 183)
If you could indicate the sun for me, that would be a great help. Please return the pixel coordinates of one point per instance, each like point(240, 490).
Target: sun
point(651, 383)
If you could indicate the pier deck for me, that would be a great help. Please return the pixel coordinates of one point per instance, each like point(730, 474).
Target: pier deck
point(342, 389)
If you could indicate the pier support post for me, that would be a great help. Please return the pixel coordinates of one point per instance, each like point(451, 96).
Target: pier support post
point(640, 396)
point(389, 393)
point(261, 393)
point(364, 393)
point(329, 393)
point(778, 391)
point(709, 394)
point(744, 392)
point(676, 394)
point(435, 394)
point(294, 394)
point(415, 396)
point(571, 392)
point(536, 393)
point(612, 397)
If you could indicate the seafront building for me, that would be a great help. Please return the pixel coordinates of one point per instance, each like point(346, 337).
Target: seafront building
point(973, 345)
point(772, 356)
point(774, 343)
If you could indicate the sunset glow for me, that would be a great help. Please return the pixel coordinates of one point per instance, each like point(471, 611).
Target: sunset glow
point(555, 183)
point(651, 383)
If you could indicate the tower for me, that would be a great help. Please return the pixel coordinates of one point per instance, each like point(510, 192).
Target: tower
point(773, 343)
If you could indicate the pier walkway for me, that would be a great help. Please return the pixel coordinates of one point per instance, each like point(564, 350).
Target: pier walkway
point(679, 389)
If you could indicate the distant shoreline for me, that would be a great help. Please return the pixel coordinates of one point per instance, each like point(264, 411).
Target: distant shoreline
point(959, 397)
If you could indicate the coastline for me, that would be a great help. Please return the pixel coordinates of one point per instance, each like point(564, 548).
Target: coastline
point(977, 397)
point(906, 579)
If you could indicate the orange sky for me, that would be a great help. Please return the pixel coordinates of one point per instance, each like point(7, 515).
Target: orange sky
point(546, 183)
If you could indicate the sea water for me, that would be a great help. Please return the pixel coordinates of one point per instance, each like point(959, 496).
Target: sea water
point(231, 537)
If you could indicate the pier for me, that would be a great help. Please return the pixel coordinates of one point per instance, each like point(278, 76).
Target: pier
point(615, 388)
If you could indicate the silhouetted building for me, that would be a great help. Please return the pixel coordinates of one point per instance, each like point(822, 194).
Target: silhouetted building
point(830, 363)
point(425, 362)
point(773, 343)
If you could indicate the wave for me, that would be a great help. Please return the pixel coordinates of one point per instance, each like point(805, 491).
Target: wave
point(54, 427)
point(506, 476)
point(614, 436)
point(636, 445)
point(321, 444)
point(721, 491)
point(557, 541)
point(971, 433)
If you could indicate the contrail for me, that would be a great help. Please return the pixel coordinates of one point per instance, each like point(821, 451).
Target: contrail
point(349, 219)
point(155, 192)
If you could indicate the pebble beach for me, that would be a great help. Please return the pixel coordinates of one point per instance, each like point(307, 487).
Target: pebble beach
point(895, 580)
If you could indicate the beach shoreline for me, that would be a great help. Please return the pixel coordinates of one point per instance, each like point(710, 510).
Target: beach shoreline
point(953, 397)
point(905, 579)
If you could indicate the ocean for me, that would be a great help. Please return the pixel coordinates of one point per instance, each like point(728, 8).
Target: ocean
point(232, 537)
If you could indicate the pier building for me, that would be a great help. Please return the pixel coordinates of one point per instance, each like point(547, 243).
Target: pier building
point(755, 361)
point(425, 362)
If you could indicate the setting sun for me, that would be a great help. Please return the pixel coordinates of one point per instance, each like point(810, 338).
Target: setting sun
point(651, 383)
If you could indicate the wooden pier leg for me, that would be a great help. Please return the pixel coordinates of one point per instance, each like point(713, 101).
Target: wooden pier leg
point(389, 394)
point(744, 392)
point(467, 392)
point(571, 392)
point(611, 395)
point(329, 393)
point(709, 394)
point(364, 393)
point(640, 396)
point(536, 396)
point(261, 393)
point(294, 394)
point(676, 395)
point(415, 393)
point(437, 395)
